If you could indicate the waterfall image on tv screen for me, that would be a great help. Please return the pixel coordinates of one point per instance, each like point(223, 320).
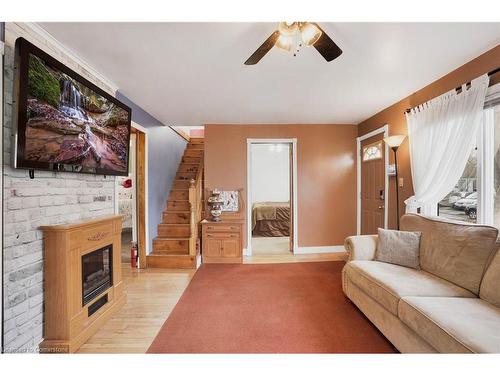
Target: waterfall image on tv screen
point(69, 123)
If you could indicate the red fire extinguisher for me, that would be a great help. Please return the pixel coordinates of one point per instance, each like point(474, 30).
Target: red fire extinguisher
point(133, 255)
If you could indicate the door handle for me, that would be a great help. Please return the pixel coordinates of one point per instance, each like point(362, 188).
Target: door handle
point(380, 207)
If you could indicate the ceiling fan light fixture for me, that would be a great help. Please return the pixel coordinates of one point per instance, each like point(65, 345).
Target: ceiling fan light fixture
point(288, 28)
point(293, 36)
point(310, 33)
point(285, 42)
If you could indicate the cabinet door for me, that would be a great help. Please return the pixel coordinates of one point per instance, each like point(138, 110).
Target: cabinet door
point(230, 248)
point(213, 248)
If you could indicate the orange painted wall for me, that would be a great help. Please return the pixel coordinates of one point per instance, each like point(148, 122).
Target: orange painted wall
point(394, 116)
point(326, 157)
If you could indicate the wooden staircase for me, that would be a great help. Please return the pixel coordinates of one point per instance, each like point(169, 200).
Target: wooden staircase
point(177, 243)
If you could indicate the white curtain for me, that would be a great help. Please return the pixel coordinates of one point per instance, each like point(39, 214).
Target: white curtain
point(441, 134)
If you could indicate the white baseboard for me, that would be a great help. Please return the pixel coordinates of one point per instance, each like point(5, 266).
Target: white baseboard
point(320, 249)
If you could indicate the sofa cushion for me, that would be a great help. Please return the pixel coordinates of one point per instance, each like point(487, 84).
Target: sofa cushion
point(398, 247)
point(456, 252)
point(387, 283)
point(453, 325)
point(490, 285)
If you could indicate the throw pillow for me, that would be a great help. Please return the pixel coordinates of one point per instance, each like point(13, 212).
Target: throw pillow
point(398, 247)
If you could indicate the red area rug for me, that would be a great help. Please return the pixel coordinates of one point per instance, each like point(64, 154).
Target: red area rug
point(268, 308)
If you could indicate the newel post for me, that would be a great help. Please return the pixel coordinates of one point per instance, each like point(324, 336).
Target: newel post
point(192, 219)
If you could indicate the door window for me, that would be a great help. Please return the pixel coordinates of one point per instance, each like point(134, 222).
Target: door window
point(373, 151)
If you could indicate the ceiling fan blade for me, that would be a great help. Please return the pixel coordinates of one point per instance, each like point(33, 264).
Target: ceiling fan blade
point(263, 49)
point(326, 46)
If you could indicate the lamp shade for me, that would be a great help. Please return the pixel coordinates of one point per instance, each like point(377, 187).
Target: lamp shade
point(394, 140)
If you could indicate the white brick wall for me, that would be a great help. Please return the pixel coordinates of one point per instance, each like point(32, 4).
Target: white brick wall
point(51, 198)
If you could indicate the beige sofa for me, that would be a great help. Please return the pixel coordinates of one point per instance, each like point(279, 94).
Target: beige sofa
point(450, 305)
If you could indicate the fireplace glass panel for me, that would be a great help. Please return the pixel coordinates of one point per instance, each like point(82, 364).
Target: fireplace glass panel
point(96, 273)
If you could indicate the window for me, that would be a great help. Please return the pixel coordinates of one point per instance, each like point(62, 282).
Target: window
point(476, 196)
point(373, 151)
point(461, 203)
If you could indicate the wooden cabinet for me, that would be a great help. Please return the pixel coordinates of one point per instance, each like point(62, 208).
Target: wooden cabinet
point(222, 242)
point(212, 248)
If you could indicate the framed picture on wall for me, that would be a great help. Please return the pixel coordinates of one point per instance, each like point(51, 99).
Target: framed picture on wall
point(230, 201)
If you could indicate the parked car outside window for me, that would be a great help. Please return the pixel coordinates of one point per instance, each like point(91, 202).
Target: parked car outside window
point(468, 200)
point(471, 211)
point(455, 196)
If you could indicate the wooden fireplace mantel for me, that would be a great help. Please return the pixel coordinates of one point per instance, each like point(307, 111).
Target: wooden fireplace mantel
point(67, 324)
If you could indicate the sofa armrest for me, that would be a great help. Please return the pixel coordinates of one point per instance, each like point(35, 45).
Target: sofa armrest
point(361, 247)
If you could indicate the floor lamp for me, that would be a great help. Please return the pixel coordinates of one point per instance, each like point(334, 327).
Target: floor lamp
point(394, 141)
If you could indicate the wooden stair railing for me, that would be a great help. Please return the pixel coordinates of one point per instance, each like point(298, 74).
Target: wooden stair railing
point(196, 207)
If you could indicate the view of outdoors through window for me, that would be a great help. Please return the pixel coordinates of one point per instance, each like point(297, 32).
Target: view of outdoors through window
point(461, 202)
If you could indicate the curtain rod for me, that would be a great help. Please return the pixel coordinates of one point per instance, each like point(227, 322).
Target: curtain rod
point(458, 89)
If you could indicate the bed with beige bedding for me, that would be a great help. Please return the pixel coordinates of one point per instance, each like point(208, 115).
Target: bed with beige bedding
point(271, 219)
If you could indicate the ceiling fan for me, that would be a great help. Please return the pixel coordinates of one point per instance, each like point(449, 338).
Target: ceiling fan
point(292, 36)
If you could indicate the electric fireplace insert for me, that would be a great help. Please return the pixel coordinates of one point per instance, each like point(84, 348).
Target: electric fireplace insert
point(96, 273)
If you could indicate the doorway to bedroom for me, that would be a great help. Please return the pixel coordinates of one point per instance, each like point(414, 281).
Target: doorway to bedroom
point(271, 195)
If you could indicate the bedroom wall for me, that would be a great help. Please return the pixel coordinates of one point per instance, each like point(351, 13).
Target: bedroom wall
point(270, 173)
point(326, 173)
point(395, 117)
point(50, 198)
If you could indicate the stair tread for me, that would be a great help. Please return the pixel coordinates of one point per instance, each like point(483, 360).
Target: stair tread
point(176, 252)
point(171, 238)
point(170, 254)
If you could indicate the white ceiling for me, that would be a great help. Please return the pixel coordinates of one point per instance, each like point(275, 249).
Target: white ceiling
point(193, 73)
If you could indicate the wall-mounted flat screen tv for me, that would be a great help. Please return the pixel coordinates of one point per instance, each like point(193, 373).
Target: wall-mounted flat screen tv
point(65, 122)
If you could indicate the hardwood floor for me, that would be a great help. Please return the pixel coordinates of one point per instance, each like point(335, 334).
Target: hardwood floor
point(152, 293)
point(291, 258)
point(270, 245)
point(151, 296)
